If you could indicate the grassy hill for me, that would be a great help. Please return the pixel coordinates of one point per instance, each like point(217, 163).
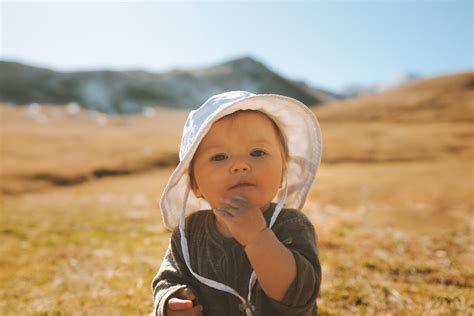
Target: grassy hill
point(447, 98)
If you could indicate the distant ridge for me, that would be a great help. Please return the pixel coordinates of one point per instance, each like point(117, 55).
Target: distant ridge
point(358, 90)
point(129, 92)
point(448, 98)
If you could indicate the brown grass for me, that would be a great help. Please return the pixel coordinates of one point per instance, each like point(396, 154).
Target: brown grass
point(392, 205)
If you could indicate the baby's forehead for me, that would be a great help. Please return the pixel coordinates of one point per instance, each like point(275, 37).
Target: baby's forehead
point(241, 126)
point(245, 117)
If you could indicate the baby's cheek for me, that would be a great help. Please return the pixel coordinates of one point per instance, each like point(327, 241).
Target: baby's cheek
point(271, 169)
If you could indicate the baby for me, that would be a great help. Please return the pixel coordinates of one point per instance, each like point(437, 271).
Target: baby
point(235, 251)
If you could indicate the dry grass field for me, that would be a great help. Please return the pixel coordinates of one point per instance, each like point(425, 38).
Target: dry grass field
point(392, 204)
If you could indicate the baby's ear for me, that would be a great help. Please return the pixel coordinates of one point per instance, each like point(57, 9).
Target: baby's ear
point(197, 193)
point(194, 187)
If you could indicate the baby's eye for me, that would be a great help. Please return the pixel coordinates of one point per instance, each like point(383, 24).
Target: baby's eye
point(219, 157)
point(258, 153)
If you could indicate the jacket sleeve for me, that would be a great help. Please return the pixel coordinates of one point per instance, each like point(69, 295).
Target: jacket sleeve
point(172, 276)
point(298, 235)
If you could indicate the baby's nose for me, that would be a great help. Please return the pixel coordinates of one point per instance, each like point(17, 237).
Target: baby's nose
point(237, 169)
point(240, 167)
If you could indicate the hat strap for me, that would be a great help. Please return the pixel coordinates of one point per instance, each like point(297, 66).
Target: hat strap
point(245, 305)
point(208, 282)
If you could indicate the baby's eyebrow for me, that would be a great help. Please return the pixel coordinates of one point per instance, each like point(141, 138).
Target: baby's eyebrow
point(263, 141)
point(212, 148)
point(221, 147)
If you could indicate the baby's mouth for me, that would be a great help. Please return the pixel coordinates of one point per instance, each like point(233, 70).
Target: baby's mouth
point(241, 185)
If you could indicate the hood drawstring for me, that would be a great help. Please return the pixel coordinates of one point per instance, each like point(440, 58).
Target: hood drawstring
point(246, 305)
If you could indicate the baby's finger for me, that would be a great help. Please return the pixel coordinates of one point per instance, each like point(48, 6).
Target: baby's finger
point(185, 293)
point(236, 201)
point(177, 304)
point(225, 213)
point(196, 310)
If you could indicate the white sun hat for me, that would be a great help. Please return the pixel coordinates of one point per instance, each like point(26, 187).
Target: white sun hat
point(297, 123)
point(302, 133)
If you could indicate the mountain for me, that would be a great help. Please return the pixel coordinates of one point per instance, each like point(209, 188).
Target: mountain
point(321, 94)
point(127, 92)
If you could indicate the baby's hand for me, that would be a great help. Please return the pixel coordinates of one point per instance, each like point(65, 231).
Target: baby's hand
point(181, 304)
point(243, 220)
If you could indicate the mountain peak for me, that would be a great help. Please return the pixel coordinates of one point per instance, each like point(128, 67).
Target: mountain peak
point(244, 63)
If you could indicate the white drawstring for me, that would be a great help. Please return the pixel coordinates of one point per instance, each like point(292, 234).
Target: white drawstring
point(245, 305)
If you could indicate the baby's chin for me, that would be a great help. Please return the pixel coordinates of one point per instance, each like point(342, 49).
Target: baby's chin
point(263, 205)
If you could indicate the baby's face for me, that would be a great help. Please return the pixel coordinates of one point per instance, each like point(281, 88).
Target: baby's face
point(240, 155)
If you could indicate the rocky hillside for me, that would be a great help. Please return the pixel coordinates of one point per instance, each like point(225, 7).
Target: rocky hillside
point(126, 92)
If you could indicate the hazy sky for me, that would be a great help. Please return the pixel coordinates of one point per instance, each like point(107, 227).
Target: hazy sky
point(329, 44)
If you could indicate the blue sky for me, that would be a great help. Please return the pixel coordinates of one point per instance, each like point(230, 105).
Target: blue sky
point(329, 44)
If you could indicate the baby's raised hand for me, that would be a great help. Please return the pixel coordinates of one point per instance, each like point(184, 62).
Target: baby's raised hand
point(243, 220)
point(181, 304)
